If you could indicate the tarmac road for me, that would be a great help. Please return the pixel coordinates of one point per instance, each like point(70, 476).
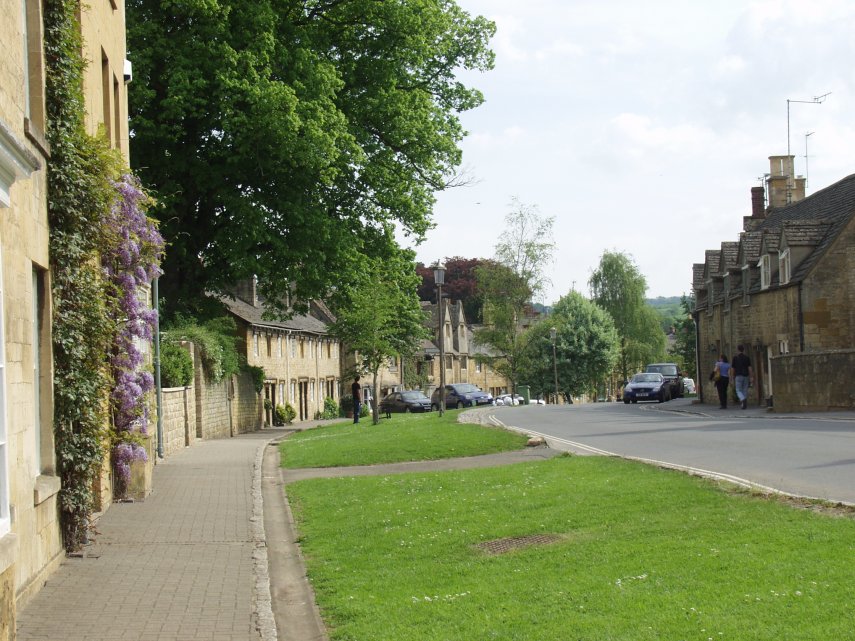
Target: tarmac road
point(811, 455)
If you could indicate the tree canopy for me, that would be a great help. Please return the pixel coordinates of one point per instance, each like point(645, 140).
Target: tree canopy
point(460, 284)
point(380, 316)
point(618, 287)
point(586, 349)
point(283, 138)
point(507, 284)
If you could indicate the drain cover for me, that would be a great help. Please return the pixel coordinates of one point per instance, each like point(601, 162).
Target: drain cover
point(501, 546)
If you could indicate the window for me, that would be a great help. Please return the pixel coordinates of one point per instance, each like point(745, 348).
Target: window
point(765, 271)
point(281, 397)
point(784, 266)
point(279, 345)
point(302, 348)
point(449, 362)
point(746, 284)
point(293, 346)
point(783, 346)
point(312, 390)
point(41, 340)
point(255, 343)
point(464, 362)
point(34, 105)
point(478, 367)
point(5, 520)
point(269, 346)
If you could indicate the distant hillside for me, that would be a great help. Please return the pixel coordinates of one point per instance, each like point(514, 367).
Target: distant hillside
point(668, 309)
point(663, 301)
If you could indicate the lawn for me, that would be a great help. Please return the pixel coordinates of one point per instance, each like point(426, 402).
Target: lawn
point(404, 437)
point(624, 551)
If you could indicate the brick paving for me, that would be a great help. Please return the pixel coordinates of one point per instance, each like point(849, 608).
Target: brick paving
point(183, 565)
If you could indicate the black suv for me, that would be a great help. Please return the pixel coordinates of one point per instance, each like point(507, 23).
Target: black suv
point(671, 373)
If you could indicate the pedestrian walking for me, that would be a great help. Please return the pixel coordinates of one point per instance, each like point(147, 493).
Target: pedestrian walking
point(722, 380)
point(743, 375)
point(356, 392)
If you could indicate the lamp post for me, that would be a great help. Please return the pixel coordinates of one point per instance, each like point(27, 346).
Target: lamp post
point(552, 333)
point(439, 279)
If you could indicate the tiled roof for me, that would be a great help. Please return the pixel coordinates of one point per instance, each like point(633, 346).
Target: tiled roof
point(805, 232)
point(834, 206)
point(750, 243)
point(729, 253)
point(712, 262)
point(698, 277)
point(254, 315)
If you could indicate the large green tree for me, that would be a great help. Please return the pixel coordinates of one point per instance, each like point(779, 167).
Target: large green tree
point(619, 288)
point(379, 316)
point(586, 349)
point(283, 136)
point(509, 282)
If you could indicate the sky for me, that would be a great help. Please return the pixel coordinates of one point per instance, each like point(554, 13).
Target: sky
point(640, 127)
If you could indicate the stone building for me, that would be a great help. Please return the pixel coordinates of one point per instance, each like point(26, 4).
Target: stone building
point(786, 291)
point(30, 541)
point(301, 361)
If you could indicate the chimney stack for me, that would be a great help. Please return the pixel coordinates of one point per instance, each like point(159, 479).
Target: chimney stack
point(758, 202)
point(780, 181)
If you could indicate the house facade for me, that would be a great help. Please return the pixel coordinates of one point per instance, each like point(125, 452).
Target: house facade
point(786, 291)
point(30, 540)
point(301, 361)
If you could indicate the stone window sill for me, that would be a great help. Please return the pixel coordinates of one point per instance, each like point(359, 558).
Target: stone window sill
point(46, 487)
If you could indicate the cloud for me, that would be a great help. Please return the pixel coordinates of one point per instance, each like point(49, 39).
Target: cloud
point(640, 130)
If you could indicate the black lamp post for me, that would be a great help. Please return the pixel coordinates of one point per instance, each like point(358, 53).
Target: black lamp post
point(552, 333)
point(439, 279)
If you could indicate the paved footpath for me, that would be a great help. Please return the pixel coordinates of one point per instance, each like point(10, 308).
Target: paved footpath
point(189, 563)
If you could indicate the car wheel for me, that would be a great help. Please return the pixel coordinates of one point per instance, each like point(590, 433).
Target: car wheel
point(460, 405)
point(661, 397)
point(434, 407)
point(626, 401)
point(635, 400)
point(406, 409)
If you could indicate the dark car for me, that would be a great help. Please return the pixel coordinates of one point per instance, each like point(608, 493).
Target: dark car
point(413, 401)
point(647, 386)
point(672, 374)
point(462, 395)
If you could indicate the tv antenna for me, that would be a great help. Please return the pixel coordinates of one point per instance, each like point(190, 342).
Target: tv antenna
point(807, 175)
point(815, 101)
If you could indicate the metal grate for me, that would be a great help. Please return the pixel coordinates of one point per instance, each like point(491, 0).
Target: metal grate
point(501, 546)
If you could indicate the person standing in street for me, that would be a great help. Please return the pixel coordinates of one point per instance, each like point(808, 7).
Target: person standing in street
point(722, 380)
point(743, 375)
point(356, 392)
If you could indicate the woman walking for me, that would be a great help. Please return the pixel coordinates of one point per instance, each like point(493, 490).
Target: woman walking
point(722, 380)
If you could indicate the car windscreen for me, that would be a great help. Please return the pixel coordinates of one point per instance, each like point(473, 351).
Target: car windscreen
point(465, 389)
point(646, 378)
point(414, 396)
point(665, 370)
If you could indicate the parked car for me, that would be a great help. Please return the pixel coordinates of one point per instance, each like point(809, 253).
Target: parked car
point(509, 399)
point(647, 386)
point(461, 395)
point(689, 385)
point(671, 373)
point(408, 401)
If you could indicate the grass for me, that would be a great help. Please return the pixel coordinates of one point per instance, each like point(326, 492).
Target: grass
point(641, 554)
point(404, 437)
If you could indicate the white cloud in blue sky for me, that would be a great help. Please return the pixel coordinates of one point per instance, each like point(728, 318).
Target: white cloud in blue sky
point(641, 127)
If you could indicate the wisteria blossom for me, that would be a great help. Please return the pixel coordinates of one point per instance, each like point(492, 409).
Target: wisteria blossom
point(130, 261)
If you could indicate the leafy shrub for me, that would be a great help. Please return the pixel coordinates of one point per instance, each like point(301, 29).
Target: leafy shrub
point(258, 376)
point(285, 414)
point(216, 341)
point(176, 366)
point(330, 409)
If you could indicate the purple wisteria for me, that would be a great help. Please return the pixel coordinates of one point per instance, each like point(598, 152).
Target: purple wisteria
point(130, 260)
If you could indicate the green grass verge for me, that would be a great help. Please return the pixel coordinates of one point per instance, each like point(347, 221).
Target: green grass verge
point(404, 437)
point(641, 554)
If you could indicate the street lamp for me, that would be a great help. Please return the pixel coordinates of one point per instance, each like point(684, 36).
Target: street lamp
point(439, 279)
point(552, 334)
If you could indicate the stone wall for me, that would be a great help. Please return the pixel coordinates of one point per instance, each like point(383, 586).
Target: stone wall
point(803, 382)
point(179, 419)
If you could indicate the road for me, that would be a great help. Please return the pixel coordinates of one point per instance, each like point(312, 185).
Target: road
point(806, 455)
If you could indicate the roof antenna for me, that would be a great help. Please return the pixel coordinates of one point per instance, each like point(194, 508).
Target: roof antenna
point(807, 175)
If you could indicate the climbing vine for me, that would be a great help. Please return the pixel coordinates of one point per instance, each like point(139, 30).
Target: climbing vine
point(89, 331)
point(130, 258)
